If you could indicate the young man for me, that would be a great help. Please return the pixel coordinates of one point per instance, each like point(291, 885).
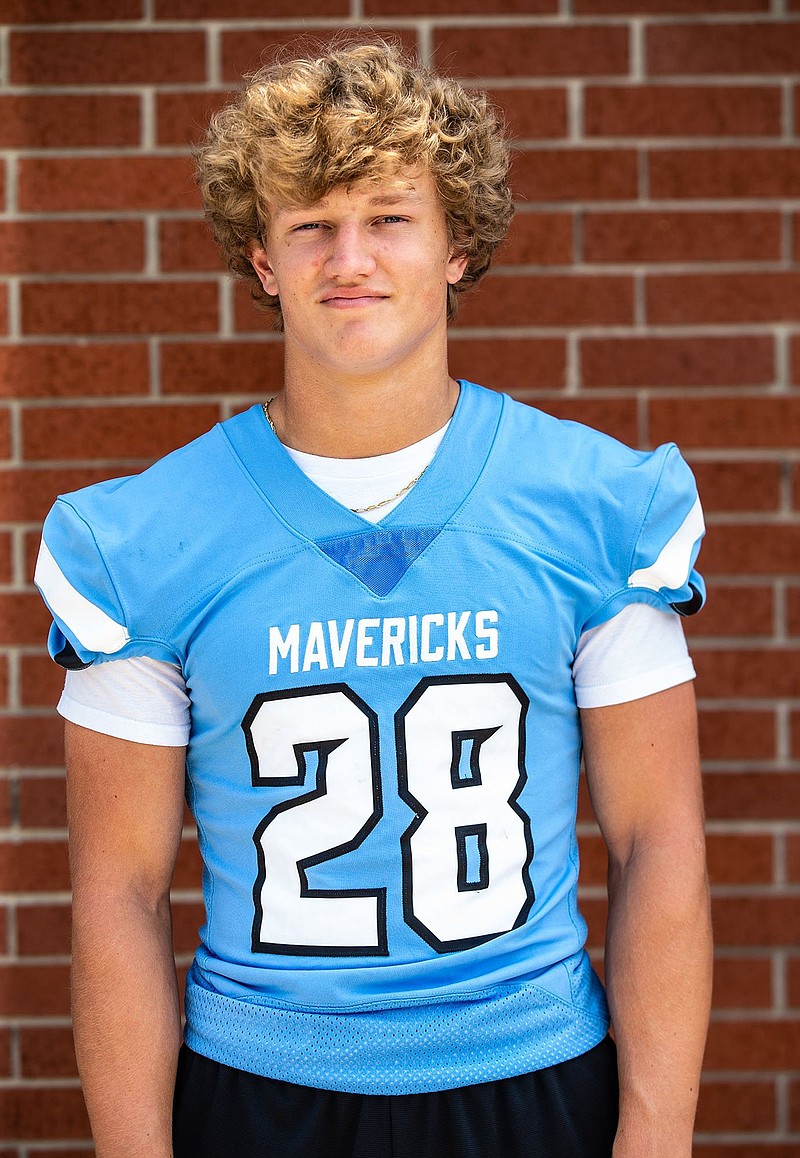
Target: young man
point(373, 624)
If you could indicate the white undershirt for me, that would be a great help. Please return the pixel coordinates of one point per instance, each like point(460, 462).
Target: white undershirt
point(640, 651)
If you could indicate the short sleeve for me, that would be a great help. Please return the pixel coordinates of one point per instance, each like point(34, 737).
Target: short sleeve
point(72, 576)
point(669, 540)
point(651, 540)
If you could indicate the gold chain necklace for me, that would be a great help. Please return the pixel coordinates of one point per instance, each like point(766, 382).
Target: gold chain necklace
point(372, 506)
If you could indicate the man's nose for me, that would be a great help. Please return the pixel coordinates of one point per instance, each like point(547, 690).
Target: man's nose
point(350, 254)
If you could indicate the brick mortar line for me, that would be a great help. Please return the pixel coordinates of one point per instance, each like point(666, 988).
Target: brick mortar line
point(466, 20)
point(521, 81)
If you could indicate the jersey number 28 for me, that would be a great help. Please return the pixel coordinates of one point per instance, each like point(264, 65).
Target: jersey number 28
point(465, 856)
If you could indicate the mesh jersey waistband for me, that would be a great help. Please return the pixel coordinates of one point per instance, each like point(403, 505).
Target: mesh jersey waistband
point(515, 1028)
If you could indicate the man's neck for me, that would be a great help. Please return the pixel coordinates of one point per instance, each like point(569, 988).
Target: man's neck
point(362, 418)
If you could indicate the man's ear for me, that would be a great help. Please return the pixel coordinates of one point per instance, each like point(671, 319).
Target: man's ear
point(260, 262)
point(456, 264)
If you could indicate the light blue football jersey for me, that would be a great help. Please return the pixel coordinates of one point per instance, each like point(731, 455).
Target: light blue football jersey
point(385, 745)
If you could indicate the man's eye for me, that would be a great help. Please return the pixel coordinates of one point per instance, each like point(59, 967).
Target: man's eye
point(306, 226)
point(391, 218)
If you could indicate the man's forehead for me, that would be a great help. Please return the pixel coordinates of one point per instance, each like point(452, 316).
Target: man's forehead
point(383, 190)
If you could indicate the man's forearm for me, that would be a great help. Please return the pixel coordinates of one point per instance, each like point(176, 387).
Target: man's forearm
point(127, 1023)
point(658, 976)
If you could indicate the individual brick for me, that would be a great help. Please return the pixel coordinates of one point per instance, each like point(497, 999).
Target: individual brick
point(26, 1114)
point(71, 246)
point(753, 1045)
point(107, 58)
point(150, 307)
point(4, 687)
point(682, 111)
point(794, 355)
point(459, 7)
point(743, 486)
point(532, 113)
point(5, 433)
point(750, 673)
point(42, 799)
point(752, 548)
point(729, 422)
point(6, 557)
point(754, 49)
point(72, 370)
point(135, 432)
point(746, 1106)
point(793, 610)
point(723, 297)
point(549, 300)
point(222, 367)
point(751, 795)
point(740, 858)
point(69, 121)
point(793, 856)
point(756, 921)
point(246, 9)
point(662, 235)
point(23, 619)
point(740, 610)
point(537, 239)
point(725, 173)
point(245, 49)
point(33, 990)
point(31, 741)
point(187, 917)
point(742, 983)
point(27, 493)
point(44, 930)
point(68, 11)
point(3, 309)
point(33, 866)
point(86, 182)
point(47, 1052)
point(594, 860)
point(41, 680)
point(188, 866)
point(188, 247)
point(182, 117)
point(575, 174)
point(665, 7)
point(744, 734)
point(735, 360)
point(793, 977)
point(510, 364)
point(541, 51)
point(5, 1070)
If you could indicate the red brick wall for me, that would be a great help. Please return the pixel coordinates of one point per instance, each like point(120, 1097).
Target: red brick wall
point(651, 287)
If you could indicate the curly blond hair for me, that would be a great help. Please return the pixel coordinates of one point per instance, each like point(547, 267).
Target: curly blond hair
point(357, 111)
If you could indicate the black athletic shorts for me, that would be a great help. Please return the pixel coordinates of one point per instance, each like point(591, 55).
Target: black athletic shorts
point(565, 1111)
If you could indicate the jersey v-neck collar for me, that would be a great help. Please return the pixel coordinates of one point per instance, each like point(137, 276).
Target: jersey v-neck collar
point(433, 501)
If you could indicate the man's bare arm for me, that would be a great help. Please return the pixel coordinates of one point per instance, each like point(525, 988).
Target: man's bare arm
point(643, 771)
point(125, 811)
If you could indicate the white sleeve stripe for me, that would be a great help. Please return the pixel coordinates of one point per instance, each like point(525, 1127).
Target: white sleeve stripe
point(94, 629)
point(671, 568)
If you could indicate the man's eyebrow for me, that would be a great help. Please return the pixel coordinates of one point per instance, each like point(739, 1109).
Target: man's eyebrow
point(394, 198)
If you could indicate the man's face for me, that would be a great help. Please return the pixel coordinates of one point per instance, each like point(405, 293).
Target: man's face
point(362, 275)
